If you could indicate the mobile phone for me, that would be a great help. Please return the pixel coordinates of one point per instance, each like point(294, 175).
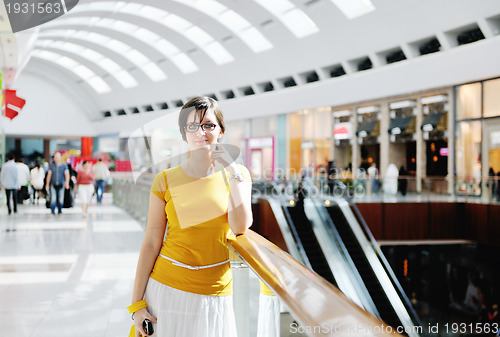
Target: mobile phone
point(148, 327)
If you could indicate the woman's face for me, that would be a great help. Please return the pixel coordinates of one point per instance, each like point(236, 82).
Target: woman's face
point(202, 138)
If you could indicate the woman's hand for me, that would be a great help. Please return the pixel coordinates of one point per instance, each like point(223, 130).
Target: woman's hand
point(225, 155)
point(139, 317)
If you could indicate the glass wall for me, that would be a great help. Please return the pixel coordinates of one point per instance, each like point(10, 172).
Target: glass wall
point(469, 101)
point(477, 135)
point(492, 98)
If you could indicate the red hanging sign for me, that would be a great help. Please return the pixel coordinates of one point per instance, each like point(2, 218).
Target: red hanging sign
point(13, 104)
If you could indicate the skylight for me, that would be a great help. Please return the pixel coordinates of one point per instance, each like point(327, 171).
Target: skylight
point(295, 19)
point(192, 32)
point(354, 8)
point(104, 41)
point(141, 34)
point(108, 65)
point(87, 75)
point(232, 21)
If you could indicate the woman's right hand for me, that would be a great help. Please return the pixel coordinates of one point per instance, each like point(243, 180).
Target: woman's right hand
point(139, 317)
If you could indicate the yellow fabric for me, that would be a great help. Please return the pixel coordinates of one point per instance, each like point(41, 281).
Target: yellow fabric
point(132, 331)
point(264, 290)
point(196, 210)
point(137, 306)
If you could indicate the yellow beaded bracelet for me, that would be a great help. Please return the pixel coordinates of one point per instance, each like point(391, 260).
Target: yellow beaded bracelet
point(137, 306)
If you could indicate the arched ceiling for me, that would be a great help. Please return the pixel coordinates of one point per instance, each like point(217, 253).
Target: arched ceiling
point(125, 54)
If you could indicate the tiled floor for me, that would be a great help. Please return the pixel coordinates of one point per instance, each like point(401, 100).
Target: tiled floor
point(73, 276)
point(67, 276)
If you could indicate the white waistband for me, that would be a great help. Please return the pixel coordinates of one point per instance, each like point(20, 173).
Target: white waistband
point(180, 264)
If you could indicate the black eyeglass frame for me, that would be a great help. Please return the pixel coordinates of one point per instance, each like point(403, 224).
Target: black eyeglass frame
point(198, 125)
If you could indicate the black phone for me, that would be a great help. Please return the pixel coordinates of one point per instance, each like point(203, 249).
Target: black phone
point(148, 327)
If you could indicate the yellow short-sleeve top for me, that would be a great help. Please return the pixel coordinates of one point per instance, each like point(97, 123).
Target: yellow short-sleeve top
point(196, 210)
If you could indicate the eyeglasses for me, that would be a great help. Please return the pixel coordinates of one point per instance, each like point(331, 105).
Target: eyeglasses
point(207, 127)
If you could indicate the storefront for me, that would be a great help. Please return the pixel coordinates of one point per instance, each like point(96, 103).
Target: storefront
point(368, 133)
point(343, 131)
point(477, 136)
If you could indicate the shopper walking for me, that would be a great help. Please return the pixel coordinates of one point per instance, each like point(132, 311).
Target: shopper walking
point(24, 180)
point(37, 176)
point(57, 181)
point(183, 280)
point(85, 186)
point(9, 179)
point(101, 174)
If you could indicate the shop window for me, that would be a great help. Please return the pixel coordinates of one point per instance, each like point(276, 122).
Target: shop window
point(469, 101)
point(491, 96)
point(468, 150)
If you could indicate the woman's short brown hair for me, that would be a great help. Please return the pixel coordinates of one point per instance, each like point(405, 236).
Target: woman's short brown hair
point(201, 104)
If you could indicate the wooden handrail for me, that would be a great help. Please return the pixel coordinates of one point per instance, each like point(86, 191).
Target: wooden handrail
point(322, 309)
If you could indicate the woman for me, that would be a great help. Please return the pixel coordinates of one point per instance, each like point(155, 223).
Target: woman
point(37, 175)
point(183, 280)
point(85, 186)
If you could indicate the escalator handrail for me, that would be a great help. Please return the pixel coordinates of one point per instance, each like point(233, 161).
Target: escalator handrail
point(312, 300)
point(381, 256)
point(288, 217)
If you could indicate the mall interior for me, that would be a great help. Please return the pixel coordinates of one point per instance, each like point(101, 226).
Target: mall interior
point(387, 111)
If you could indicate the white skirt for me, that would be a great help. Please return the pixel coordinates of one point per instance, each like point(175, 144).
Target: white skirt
point(85, 192)
point(185, 314)
point(269, 316)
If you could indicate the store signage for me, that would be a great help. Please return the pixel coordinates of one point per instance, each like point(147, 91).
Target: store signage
point(443, 152)
point(396, 131)
point(12, 103)
point(342, 130)
point(427, 128)
point(259, 143)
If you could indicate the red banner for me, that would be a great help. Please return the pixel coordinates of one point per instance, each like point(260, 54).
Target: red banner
point(13, 104)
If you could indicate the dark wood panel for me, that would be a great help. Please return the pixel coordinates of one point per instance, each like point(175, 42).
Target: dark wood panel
point(476, 217)
point(406, 221)
point(373, 215)
point(267, 224)
point(443, 220)
point(494, 225)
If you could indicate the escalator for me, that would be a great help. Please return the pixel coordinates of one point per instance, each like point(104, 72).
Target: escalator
point(303, 228)
point(365, 269)
point(358, 267)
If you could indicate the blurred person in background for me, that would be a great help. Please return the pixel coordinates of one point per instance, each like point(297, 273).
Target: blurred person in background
point(85, 186)
point(9, 180)
point(101, 174)
point(37, 176)
point(24, 180)
point(57, 181)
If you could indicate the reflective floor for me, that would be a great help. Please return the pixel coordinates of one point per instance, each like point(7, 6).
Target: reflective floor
point(68, 275)
point(73, 276)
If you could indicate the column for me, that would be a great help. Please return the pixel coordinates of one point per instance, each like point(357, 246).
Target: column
point(385, 120)
point(451, 142)
point(421, 158)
